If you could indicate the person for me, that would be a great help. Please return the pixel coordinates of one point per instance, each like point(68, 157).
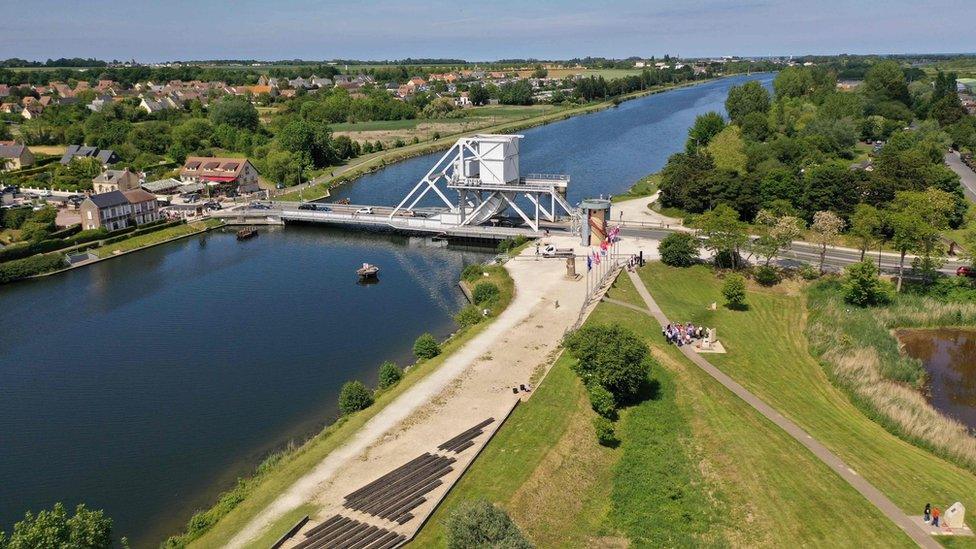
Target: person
point(927, 514)
point(935, 516)
point(537, 249)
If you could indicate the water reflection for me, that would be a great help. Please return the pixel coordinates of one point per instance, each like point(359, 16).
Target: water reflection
point(949, 357)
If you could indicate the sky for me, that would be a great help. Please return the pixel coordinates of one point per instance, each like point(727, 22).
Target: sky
point(480, 30)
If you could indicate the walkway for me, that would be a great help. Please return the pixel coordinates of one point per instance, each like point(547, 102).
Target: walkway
point(867, 490)
point(966, 176)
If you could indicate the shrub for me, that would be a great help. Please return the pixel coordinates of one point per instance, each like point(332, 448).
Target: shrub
point(473, 272)
point(478, 523)
point(604, 431)
point(679, 250)
point(468, 316)
point(34, 265)
point(354, 396)
point(863, 287)
point(767, 275)
point(602, 400)
point(808, 272)
point(390, 374)
point(734, 290)
point(485, 293)
point(426, 347)
point(612, 356)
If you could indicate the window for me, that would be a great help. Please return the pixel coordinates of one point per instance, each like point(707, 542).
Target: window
point(89, 215)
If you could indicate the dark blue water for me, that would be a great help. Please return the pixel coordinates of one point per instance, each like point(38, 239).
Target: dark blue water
point(146, 384)
point(604, 152)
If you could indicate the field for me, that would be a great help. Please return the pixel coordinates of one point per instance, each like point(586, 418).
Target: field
point(696, 467)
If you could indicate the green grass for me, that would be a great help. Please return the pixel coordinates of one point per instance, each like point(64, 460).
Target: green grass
point(768, 354)
point(150, 239)
point(277, 479)
point(696, 467)
point(374, 125)
point(284, 524)
point(645, 186)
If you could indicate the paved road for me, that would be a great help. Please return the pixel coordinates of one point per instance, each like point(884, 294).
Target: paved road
point(872, 494)
point(966, 175)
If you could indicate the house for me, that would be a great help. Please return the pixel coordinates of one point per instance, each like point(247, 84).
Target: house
point(4, 90)
point(10, 108)
point(145, 207)
point(319, 82)
point(230, 173)
point(116, 210)
point(105, 156)
point(32, 111)
point(163, 103)
point(115, 180)
point(463, 100)
point(162, 186)
point(14, 156)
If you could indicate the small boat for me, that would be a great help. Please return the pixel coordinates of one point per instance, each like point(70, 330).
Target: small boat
point(368, 271)
point(246, 233)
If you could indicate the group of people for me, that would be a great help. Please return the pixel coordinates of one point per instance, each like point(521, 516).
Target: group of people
point(931, 515)
point(635, 261)
point(683, 334)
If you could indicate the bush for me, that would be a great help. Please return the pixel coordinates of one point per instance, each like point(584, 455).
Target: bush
point(863, 287)
point(468, 316)
point(34, 265)
point(734, 290)
point(510, 244)
point(485, 293)
point(679, 250)
point(426, 347)
point(611, 356)
point(354, 396)
point(478, 523)
point(602, 400)
point(390, 374)
point(604, 431)
point(808, 272)
point(473, 272)
point(767, 275)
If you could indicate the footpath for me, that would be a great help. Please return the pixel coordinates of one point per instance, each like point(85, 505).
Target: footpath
point(865, 488)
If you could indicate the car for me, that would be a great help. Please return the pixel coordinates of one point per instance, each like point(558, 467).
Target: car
point(280, 186)
point(213, 205)
point(368, 210)
point(308, 206)
point(258, 206)
point(969, 272)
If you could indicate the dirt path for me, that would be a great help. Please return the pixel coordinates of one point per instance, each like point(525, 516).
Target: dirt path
point(866, 489)
point(636, 211)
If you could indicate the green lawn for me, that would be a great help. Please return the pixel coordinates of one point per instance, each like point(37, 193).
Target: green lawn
point(374, 125)
point(767, 353)
point(155, 237)
point(696, 467)
point(645, 186)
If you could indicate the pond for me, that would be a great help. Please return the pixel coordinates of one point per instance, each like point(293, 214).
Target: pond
point(949, 358)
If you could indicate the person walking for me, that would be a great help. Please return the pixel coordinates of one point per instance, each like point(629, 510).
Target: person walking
point(927, 514)
point(935, 516)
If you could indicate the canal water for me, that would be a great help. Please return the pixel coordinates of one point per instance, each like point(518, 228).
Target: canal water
point(949, 358)
point(147, 384)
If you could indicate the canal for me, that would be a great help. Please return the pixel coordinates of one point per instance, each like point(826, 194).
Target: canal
point(147, 384)
point(949, 358)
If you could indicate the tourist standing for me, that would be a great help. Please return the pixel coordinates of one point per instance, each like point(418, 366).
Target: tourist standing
point(927, 514)
point(935, 516)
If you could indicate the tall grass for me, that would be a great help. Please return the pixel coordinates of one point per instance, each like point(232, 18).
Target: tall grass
point(860, 352)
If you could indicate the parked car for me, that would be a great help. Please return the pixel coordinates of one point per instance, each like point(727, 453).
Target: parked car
point(365, 211)
point(966, 271)
point(308, 206)
point(280, 186)
point(258, 206)
point(213, 205)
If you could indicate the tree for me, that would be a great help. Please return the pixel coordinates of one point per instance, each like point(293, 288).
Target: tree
point(863, 287)
point(612, 356)
point(826, 227)
point(745, 99)
point(755, 126)
point(792, 82)
point(679, 250)
point(426, 347)
point(390, 374)
point(866, 223)
point(353, 397)
point(776, 233)
point(478, 95)
point(916, 220)
point(728, 150)
point(734, 291)
point(515, 93)
point(478, 523)
point(310, 142)
point(235, 112)
point(54, 529)
point(885, 81)
point(722, 231)
point(706, 127)
point(831, 186)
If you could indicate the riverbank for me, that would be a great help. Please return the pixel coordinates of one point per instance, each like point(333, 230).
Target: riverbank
point(242, 505)
point(377, 161)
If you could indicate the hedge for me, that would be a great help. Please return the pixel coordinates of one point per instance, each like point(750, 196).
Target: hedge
point(23, 268)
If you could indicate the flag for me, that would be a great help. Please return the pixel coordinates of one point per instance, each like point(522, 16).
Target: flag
point(589, 263)
point(604, 245)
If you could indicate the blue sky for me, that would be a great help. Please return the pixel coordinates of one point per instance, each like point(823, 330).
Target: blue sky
point(480, 29)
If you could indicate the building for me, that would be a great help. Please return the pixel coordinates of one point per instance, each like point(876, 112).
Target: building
point(32, 111)
point(115, 180)
point(226, 173)
point(162, 186)
point(145, 208)
point(14, 156)
point(106, 156)
point(116, 210)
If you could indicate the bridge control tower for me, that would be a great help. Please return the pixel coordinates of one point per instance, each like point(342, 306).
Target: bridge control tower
point(484, 171)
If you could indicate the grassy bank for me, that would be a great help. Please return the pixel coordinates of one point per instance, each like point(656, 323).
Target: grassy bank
point(375, 161)
point(862, 355)
point(768, 353)
point(696, 467)
point(236, 508)
point(156, 237)
point(645, 186)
